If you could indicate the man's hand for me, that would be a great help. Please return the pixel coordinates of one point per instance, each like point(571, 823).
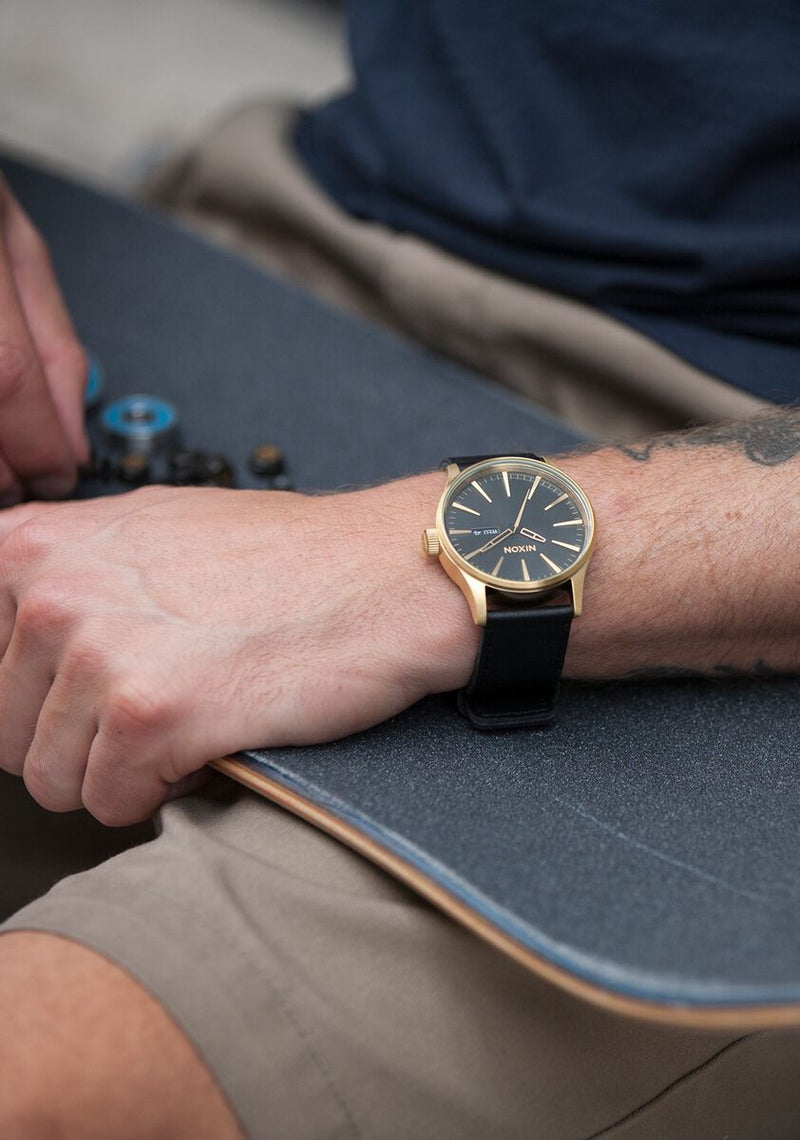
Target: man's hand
point(147, 634)
point(42, 368)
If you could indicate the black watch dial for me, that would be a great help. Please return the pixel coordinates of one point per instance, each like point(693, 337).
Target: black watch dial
point(518, 524)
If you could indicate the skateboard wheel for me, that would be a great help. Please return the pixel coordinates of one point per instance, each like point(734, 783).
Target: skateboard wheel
point(266, 459)
point(140, 423)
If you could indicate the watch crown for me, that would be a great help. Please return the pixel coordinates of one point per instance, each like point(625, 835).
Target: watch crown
point(430, 542)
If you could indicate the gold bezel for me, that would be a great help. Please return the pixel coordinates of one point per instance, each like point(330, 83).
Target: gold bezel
point(507, 585)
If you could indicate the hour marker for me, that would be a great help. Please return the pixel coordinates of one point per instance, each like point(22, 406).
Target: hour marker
point(480, 490)
point(566, 545)
point(505, 484)
point(555, 502)
point(525, 573)
point(469, 510)
point(500, 560)
point(570, 522)
point(552, 565)
point(460, 532)
point(536, 483)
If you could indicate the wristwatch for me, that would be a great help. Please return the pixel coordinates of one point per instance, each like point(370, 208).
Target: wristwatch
point(515, 534)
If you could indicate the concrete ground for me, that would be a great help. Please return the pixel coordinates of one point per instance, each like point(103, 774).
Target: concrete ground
point(105, 88)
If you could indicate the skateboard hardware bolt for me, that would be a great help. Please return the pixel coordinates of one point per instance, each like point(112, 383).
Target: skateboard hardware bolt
point(200, 469)
point(133, 468)
point(218, 472)
point(186, 460)
point(281, 482)
point(98, 467)
point(266, 459)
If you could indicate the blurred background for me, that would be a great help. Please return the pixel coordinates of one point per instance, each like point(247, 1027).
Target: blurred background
point(105, 89)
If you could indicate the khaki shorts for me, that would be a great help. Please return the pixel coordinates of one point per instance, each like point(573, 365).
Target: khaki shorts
point(327, 999)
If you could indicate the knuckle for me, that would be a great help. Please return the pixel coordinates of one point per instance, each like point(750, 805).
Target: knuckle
point(47, 608)
point(135, 711)
point(30, 542)
point(16, 366)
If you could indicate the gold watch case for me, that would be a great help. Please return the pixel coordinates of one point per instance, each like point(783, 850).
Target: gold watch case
point(474, 583)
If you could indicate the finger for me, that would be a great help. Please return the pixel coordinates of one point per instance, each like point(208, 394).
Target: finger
point(189, 784)
point(122, 784)
point(25, 681)
point(16, 565)
point(58, 754)
point(142, 750)
point(52, 331)
point(32, 440)
point(10, 487)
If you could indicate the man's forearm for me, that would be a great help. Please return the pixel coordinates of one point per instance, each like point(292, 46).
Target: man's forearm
point(697, 553)
point(304, 618)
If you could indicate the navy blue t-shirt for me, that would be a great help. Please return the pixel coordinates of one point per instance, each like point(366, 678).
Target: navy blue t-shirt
point(641, 156)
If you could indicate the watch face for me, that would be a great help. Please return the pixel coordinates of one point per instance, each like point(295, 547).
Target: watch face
point(518, 522)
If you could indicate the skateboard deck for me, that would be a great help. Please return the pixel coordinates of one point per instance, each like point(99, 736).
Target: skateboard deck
point(643, 851)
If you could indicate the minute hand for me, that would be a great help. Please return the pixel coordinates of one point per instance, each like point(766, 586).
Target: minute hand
point(529, 495)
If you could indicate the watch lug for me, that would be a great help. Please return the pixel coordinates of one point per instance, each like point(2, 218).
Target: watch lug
point(576, 584)
point(473, 590)
point(452, 471)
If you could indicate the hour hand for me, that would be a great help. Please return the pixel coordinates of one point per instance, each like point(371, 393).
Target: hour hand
point(532, 534)
point(492, 542)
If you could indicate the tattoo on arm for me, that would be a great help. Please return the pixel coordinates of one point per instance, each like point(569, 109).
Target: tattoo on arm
point(768, 439)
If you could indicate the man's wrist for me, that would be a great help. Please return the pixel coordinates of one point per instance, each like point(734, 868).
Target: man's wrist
point(433, 624)
point(447, 638)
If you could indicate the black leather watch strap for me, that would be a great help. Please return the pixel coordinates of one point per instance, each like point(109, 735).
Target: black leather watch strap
point(517, 674)
point(521, 656)
point(467, 460)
